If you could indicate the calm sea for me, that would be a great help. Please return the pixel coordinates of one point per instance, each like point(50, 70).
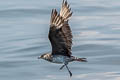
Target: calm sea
point(24, 26)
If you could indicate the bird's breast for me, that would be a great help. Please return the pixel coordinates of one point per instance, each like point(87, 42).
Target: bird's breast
point(60, 59)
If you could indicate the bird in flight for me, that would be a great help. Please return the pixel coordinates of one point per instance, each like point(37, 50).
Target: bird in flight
point(60, 37)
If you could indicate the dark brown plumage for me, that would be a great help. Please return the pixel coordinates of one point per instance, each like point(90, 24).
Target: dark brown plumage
point(60, 34)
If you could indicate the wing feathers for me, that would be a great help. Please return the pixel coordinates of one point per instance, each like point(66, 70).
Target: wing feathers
point(59, 19)
point(60, 33)
point(56, 19)
point(65, 11)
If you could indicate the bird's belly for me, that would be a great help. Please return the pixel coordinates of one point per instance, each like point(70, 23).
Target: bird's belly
point(59, 59)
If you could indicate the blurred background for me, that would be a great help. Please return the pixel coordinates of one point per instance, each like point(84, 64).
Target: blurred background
point(24, 26)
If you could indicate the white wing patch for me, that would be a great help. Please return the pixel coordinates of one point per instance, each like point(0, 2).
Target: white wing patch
point(56, 19)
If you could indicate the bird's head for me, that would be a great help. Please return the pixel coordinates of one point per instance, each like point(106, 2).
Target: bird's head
point(44, 56)
point(41, 56)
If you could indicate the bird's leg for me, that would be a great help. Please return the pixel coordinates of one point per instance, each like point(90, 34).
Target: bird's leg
point(62, 67)
point(68, 70)
point(66, 63)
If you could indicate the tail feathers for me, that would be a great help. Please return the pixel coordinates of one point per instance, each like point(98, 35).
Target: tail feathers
point(81, 59)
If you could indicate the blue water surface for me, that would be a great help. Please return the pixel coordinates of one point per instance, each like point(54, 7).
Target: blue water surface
point(24, 26)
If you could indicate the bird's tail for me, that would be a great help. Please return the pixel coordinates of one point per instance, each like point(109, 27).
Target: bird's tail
point(79, 59)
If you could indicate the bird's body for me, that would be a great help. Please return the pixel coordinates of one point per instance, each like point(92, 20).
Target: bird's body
point(60, 37)
point(59, 59)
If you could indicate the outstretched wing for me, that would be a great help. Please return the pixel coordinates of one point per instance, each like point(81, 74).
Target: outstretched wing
point(60, 34)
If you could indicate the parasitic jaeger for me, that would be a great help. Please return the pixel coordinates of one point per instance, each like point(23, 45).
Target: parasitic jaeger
point(60, 36)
